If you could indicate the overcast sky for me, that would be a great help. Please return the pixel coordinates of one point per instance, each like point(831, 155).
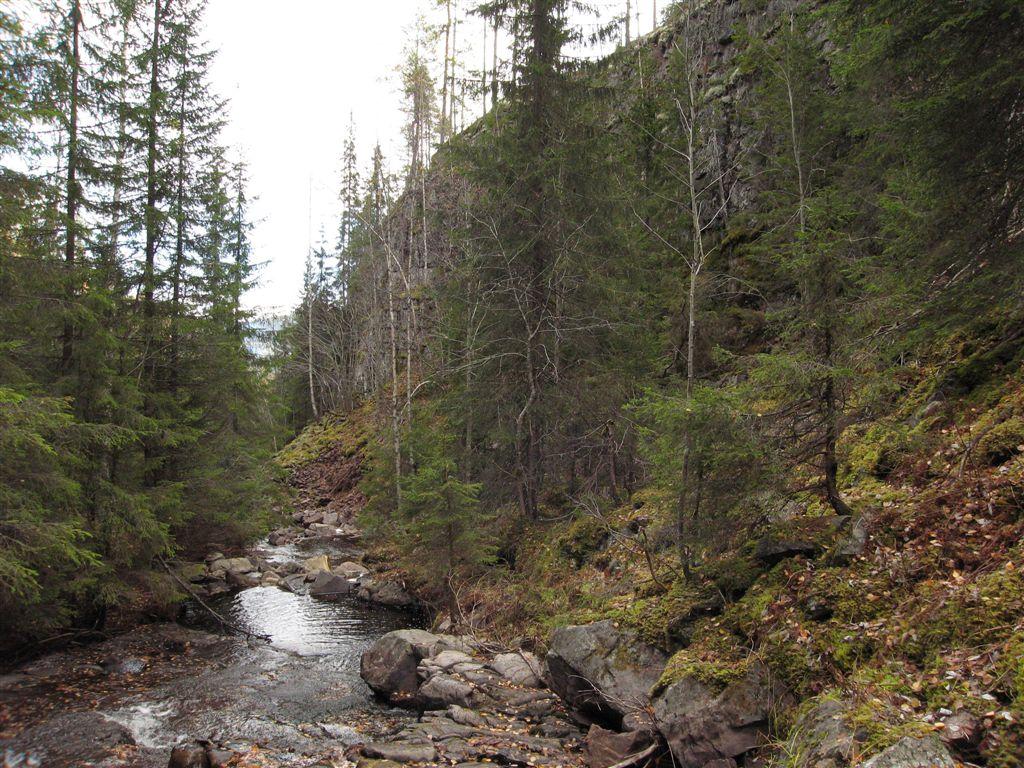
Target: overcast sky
point(294, 72)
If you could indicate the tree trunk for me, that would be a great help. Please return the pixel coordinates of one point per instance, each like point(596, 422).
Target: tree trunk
point(447, 61)
point(179, 250)
point(72, 191)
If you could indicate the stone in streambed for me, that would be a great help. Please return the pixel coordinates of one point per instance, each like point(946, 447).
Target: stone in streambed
point(389, 665)
point(330, 587)
point(387, 593)
point(401, 752)
point(189, 756)
point(315, 564)
point(244, 580)
point(72, 738)
point(351, 570)
point(296, 584)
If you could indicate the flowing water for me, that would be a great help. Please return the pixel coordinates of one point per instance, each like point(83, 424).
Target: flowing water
point(293, 696)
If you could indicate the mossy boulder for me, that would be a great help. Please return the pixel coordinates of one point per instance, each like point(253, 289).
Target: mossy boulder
point(1002, 442)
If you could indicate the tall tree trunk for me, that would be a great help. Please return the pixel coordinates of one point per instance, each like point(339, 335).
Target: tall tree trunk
point(447, 61)
point(152, 233)
point(629, 12)
point(72, 191)
point(179, 250)
point(494, 66)
point(396, 441)
point(152, 190)
point(309, 353)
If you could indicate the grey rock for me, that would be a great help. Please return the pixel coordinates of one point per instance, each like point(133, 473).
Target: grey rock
point(851, 544)
point(233, 565)
point(323, 531)
point(328, 586)
point(388, 593)
point(401, 752)
point(296, 584)
point(928, 752)
point(772, 550)
point(822, 736)
point(123, 666)
point(442, 690)
point(464, 716)
point(390, 665)
point(351, 570)
point(700, 724)
point(72, 738)
point(603, 671)
point(607, 748)
point(244, 579)
point(522, 668)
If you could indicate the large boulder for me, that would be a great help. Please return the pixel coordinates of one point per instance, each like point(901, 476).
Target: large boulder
point(604, 672)
point(389, 593)
point(927, 752)
point(701, 723)
point(351, 570)
point(243, 580)
point(390, 665)
point(233, 565)
point(331, 587)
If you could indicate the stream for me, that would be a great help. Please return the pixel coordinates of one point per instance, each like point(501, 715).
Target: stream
point(297, 698)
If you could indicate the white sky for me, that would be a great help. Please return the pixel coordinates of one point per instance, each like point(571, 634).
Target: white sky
point(293, 73)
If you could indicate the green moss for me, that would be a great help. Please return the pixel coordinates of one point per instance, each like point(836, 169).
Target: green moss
point(879, 725)
point(853, 596)
point(715, 659)
point(1002, 442)
point(584, 536)
point(733, 575)
point(977, 614)
point(1010, 668)
point(331, 431)
point(747, 615)
point(881, 449)
point(1003, 746)
point(794, 660)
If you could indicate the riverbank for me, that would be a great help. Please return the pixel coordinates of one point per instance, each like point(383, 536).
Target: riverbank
point(262, 666)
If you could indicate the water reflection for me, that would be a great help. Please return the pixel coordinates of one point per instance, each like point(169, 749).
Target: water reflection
point(309, 627)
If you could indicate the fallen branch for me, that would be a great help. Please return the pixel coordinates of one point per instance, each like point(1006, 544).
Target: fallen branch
point(634, 759)
point(220, 617)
